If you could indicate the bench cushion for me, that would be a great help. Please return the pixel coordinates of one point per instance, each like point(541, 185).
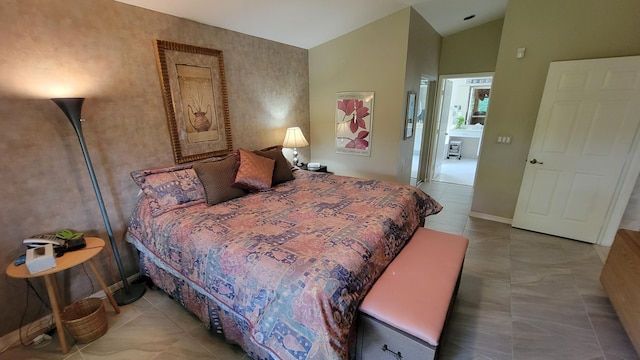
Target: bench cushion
point(414, 292)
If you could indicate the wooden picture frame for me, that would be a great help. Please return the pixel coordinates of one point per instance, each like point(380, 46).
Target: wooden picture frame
point(194, 91)
point(410, 115)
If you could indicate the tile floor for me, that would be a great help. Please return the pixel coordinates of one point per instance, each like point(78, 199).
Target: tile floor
point(461, 172)
point(453, 171)
point(525, 295)
point(522, 296)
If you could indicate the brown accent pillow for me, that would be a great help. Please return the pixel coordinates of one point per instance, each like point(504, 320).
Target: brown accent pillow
point(253, 172)
point(216, 178)
point(282, 169)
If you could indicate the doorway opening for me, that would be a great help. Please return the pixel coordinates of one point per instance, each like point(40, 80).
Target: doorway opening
point(463, 104)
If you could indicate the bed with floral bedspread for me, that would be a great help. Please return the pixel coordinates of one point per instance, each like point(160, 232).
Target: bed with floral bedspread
point(284, 270)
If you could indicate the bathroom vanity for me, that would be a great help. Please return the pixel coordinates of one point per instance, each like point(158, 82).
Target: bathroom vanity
point(471, 137)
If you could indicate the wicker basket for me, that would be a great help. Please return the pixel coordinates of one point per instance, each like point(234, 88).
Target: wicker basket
point(85, 319)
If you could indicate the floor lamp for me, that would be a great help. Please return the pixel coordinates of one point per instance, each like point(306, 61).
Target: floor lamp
point(130, 292)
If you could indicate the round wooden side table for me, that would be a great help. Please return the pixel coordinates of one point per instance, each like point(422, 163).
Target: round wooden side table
point(67, 261)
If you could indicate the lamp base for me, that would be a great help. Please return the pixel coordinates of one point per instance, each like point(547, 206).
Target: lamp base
point(135, 292)
point(295, 156)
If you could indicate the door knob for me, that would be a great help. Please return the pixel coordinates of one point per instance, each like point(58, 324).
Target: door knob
point(535, 161)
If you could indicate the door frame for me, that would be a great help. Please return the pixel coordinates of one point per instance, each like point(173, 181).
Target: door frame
point(433, 136)
point(438, 134)
point(427, 127)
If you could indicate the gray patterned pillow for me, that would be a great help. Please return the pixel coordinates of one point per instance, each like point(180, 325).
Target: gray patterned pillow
point(170, 188)
point(216, 177)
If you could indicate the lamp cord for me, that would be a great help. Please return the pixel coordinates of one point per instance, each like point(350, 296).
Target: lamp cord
point(24, 312)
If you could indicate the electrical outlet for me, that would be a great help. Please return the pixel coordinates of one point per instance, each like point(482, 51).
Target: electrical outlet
point(40, 339)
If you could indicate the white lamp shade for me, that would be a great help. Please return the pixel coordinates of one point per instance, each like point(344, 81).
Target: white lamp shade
point(294, 138)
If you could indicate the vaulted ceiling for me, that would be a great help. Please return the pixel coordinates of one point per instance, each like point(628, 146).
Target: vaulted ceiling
point(308, 23)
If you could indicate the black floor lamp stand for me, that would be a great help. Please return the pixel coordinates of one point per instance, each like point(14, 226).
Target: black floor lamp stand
point(129, 292)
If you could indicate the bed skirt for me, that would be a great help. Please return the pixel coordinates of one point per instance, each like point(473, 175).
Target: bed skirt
point(208, 310)
point(197, 302)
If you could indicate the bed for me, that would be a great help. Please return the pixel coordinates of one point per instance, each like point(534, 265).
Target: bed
point(280, 271)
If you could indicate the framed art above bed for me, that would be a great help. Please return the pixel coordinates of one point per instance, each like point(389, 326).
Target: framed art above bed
point(194, 91)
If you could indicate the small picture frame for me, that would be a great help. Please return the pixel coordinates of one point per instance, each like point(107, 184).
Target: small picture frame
point(410, 115)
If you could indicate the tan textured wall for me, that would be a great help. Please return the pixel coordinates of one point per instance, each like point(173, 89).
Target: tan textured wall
point(103, 50)
point(471, 51)
point(551, 31)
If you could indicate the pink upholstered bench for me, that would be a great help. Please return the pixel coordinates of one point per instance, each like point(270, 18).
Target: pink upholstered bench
point(404, 313)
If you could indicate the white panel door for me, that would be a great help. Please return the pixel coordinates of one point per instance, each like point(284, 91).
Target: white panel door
point(587, 123)
point(440, 142)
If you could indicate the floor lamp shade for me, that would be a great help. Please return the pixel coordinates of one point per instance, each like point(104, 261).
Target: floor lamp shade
point(72, 108)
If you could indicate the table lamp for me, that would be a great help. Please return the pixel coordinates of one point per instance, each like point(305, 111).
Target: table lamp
point(294, 139)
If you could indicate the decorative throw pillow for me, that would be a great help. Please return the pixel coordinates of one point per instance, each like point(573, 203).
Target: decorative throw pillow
point(253, 172)
point(282, 169)
point(216, 177)
point(170, 188)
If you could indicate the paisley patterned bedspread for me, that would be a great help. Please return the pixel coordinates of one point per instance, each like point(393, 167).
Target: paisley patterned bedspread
point(291, 263)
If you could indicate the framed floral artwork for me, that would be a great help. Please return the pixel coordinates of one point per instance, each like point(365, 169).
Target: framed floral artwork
point(410, 115)
point(194, 91)
point(354, 119)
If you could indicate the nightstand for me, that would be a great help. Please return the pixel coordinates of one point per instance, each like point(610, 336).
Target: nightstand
point(67, 261)
point(322, 168)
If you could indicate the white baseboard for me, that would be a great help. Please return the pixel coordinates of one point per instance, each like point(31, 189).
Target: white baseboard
point(490, 217)
point(47, 322)
point(29, 332)
point(115, 287)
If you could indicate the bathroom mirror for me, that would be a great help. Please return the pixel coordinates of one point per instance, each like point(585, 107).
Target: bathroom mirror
point(478, 105)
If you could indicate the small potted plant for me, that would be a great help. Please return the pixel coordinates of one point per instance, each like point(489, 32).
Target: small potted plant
point(67, 234)
point(72, 240)
point(459, 122)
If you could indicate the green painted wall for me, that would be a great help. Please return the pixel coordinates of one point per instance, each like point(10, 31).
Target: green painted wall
point(374, 58)
point(471, 51)
point(550, 30)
